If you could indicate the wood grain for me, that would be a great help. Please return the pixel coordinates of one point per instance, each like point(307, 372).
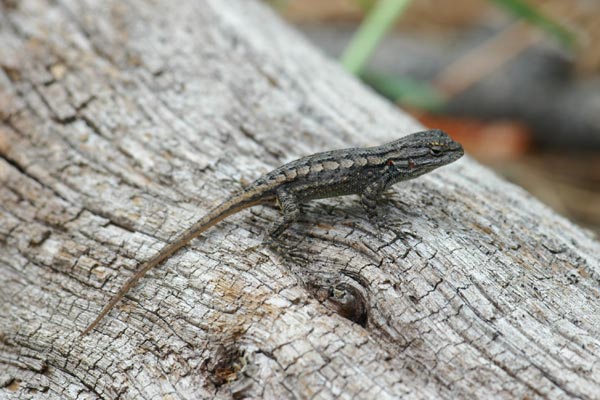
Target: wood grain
point(122, 122)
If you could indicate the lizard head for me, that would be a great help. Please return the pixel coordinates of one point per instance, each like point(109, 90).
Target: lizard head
point(419, 153)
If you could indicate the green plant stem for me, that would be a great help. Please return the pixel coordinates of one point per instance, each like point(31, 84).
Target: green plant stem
point(370, 32)
point(523, 10)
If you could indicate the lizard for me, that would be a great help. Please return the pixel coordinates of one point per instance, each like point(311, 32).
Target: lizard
point(367, 172)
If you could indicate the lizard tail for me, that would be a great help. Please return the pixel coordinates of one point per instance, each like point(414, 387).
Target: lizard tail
point(225, 209)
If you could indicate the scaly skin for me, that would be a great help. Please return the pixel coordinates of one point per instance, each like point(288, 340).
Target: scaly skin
point(364, 171)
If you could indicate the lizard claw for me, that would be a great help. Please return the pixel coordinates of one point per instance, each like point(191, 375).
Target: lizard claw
point(375, 220)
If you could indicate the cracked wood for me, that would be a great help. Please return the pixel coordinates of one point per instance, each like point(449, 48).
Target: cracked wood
point(123, 121)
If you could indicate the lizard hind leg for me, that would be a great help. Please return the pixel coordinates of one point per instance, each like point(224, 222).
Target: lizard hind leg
point(290, 209)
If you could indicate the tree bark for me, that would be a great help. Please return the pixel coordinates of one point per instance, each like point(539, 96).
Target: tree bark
point(122, 122)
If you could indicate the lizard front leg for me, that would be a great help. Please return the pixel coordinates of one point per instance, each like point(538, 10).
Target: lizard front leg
point(369, 198)
point(290, 209)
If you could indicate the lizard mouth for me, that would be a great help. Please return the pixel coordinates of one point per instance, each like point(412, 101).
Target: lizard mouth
point(454, 151)
point(457, 151)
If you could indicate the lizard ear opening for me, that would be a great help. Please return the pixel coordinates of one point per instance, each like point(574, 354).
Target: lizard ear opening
point(389, 163)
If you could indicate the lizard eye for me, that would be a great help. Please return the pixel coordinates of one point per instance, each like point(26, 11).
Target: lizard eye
point(436, 151)
point(389, 163)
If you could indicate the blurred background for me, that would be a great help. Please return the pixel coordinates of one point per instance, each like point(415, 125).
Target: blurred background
point(517, 82)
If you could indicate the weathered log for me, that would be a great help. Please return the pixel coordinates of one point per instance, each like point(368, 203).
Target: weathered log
point(122, 122)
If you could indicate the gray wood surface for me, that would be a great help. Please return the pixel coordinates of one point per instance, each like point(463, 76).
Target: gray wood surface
point(122, 122)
